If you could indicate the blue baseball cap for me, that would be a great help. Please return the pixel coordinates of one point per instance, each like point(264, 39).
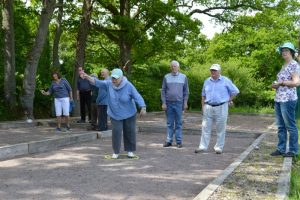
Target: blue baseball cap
point(287, 45)
point(116, 73)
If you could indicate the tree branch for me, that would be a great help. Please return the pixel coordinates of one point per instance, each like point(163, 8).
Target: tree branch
point(109, 7)
point(233, 7)
point(107, 32)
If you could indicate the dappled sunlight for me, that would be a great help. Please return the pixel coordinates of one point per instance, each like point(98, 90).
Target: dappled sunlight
point(16, 181)
point(59, 192)
point(155, 144)
point(175, 176)
point(82, 171)
point(11, 163)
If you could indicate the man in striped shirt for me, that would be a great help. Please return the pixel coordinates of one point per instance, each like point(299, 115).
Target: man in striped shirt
point(174, 96)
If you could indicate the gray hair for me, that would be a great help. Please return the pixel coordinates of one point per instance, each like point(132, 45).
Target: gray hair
point(174, 63)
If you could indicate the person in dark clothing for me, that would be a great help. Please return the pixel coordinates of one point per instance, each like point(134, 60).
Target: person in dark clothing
point(102, 101)
point(84, 96)
point(94, 107)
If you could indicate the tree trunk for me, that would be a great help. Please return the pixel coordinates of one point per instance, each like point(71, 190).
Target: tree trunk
point(80, 46)
point(29, 83)
point(124, 42)
point(58, 33)
point(125, 55)
point(9, 54)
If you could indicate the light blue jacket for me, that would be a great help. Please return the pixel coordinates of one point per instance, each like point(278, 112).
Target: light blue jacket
point(102, 95)
point(122, 100)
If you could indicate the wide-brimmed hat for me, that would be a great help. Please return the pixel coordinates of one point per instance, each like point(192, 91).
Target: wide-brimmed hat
point(287, 45)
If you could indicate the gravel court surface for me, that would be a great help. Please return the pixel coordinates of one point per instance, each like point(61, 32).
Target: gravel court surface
point(81, 172)
point(27, 134)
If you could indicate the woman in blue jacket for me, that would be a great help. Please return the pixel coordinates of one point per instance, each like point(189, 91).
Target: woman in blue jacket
point(122, 100)
point(62, 91)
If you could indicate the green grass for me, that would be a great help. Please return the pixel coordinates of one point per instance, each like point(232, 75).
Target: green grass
point(295, 176)
point(295, 180)
point(246, 110)
point(252, 110)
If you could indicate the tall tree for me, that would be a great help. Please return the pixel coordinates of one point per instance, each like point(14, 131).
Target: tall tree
point(81, 43)
point(253, 40)
point(9, 54)
point(29, 82)
point(132, 24)
point(58, 32)
point(129, 24)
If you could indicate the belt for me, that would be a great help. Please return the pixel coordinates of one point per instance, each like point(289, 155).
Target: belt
point(215, 105)
point(84, 90)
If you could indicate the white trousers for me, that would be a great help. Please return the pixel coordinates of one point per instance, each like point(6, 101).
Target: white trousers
point(219, 114)
point(62, 105)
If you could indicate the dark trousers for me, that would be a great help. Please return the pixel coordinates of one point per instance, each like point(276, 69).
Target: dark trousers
point(102, 117)
point(85, 100)
point(127, 126)
point(95, 114)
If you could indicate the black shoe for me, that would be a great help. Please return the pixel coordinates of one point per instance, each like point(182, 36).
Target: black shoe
point(81, 121)
point(276, 153)
point(179, 145)
point(167, 144)
point(289, 154)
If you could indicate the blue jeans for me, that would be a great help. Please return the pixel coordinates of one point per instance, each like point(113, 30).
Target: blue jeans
point(286, 121)
point(174, 121)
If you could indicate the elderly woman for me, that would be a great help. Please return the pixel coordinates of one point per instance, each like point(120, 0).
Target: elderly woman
point(286, 101)
point(122, 96)
point(62, 91)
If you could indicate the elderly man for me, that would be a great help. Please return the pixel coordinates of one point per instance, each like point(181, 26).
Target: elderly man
point(102, 103)
point(174, 96)
point(84, 95)
point(217, 93)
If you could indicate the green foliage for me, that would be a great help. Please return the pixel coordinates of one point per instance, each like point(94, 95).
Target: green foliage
point(159, 33)
point(148, 80)
point(254, 39)
point(196, 76)
point(251, 110)
point(252, 91)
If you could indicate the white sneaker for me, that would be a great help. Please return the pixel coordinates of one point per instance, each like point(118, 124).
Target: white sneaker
point(131, 154)
point(200, 150)
point(218, 150)
point(115, 156)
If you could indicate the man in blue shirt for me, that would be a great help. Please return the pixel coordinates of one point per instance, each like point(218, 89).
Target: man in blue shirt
point(217, 93)
point(102, 101)
point(84, 94)
point(174, 96)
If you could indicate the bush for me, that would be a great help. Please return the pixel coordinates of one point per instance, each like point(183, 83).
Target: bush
point(148, 80)
point(253, 93)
